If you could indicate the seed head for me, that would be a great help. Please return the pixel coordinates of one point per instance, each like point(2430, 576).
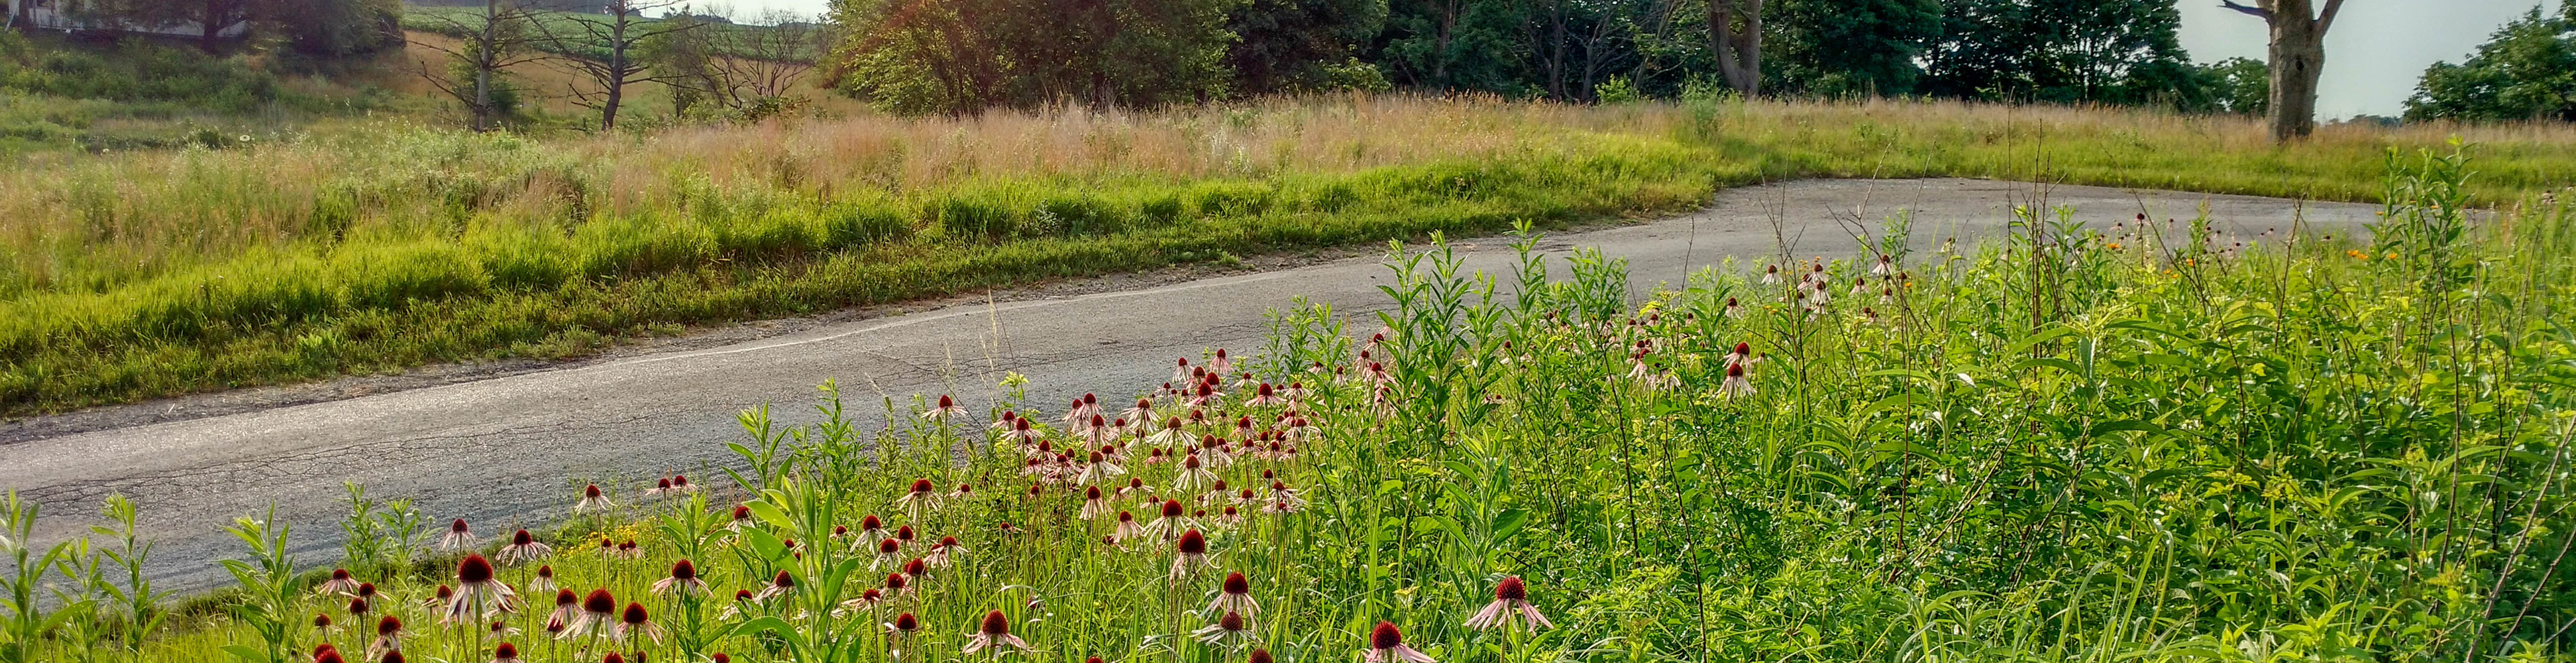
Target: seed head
point(921, 486)
point(1193, 543)
point(388, 626)
point(907, 623)
point(684, 571)
point(600, 602)
point(635, 615)
point(894, 582)
point(473, 570)
point(1236, 584)
point(564, 597)
point(1510, 589)
point(321, 620)
point(1385, 636)
point(889, 546)
point(996, 625)
point(783, 580)
point(1260, 656)
point(1232, 621)
point(506, 652)
point(1172, 508)
point(522, 538)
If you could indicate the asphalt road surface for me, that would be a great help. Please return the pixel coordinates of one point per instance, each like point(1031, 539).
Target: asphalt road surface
point(511, 450)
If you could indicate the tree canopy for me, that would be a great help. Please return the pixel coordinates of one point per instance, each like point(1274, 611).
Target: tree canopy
point(2526, 71)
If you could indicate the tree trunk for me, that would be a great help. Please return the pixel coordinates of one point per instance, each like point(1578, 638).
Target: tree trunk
point(2298, 56)
point(1735, 37)
point(617, 67)
point(209, 26)
point(483, 46)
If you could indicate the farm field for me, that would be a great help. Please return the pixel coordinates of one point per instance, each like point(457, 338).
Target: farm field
point(2075, 441)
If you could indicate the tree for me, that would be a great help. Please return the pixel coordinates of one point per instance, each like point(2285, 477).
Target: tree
point(2063, 51)
point(339, 27)
point(1735, 37)
point(496, 39)
point(605, 51)
point(2297, 56)
point(962, 56)
point(1840, 47)
point(1291, 45)
point(2526, 71)
point(1476, 45)
point(212, 17)
point(2238, 85)
point(749, 72)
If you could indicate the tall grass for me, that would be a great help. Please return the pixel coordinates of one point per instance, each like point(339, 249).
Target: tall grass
point(138, 275)
point(2074, 443)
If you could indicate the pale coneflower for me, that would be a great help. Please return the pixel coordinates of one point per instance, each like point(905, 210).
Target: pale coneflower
point(389, 636)
point(598, 615)
point(458, 537)
point(592, 500)
point(523, 548)
point(340, 583)
point(1169, 435)
point(1193, 475)
point(994, 633)
point(1741, 355)
point(1169, 524)
point(477, 593)
point(1734, 309)
point(947, 409)
point(1189, 554)
point(1236, 597)
point(904, 625)
point(438, 602)
point(660, 488)
point(1885, 265)
point(1143, 411)
point(1181, 371)
point(1511, 602)
point(1093, 504)
point(634, 622)
point(1735, 385)
point(1385, 642)
point(781, 585)
point(1265, 396)
point(1128, 529)
point(1221, 364)
point(922, 497)
point(327, 654)
point(896, 583)
point(322, 624)
point(889, 553)
point(501, 629)
point(1771, 275)
point(505, 653)
point(545, 580)
point(1232, 630)
point(944, 553)
point(683, 580)
point(628, 550)
point(1099, 470)
point(567, 609)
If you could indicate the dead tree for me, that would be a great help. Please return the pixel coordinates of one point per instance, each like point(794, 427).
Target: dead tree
point(614, 64)
point(2298, 56)
point(495, 40)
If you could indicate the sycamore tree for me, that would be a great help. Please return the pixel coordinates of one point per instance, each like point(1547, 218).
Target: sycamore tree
point(2526, 71)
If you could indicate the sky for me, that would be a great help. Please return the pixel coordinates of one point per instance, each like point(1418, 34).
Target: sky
point(2374, 53)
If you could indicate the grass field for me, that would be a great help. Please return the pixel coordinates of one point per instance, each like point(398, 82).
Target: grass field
point(2071, 444)
point(377, 246)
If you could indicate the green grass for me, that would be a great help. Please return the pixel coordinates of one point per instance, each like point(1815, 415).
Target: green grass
point(386, 246)
point(2067, 444)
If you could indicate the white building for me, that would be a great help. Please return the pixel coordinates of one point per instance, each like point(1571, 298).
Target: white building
point(58, 15)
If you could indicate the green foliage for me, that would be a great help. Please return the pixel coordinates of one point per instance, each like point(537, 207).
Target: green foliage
point(2242, 86)
point(2526, 71)
point(1299, 45)
point(135, 70)
point(1838, 48)
point(339, 28)
point(961, 56)
point(2063, 51)
point(1478, 45)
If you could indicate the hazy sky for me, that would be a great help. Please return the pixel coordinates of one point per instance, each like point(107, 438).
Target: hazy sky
point(2373, 55)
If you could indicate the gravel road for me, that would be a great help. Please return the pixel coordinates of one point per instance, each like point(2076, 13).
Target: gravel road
point(510, 449)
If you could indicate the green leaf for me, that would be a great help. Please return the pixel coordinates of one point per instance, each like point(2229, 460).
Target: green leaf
point(1509, 523)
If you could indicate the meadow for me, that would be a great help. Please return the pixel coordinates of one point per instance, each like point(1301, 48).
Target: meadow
point(2093, 439)
point(363, 246)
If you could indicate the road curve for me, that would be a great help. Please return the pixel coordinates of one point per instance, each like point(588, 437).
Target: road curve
point(509, 450)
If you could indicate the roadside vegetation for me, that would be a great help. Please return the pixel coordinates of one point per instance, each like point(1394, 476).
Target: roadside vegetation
point(2094, 439)
point(131, 276)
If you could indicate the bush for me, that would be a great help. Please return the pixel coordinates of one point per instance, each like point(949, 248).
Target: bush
point(849, 226)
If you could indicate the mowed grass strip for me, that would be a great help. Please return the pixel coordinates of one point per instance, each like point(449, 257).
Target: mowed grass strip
point(157, 274)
